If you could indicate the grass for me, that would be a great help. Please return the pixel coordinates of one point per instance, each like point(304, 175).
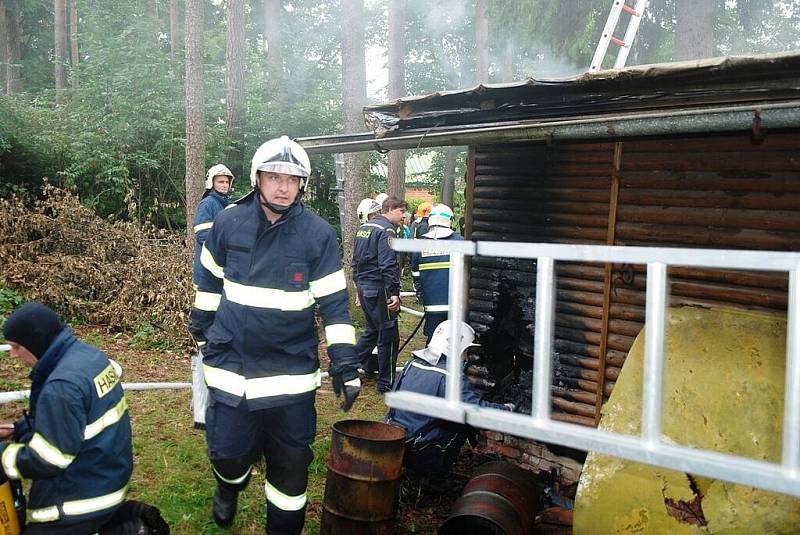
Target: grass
point(171, 469)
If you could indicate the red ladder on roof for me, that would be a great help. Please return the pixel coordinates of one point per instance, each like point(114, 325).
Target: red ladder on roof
point(607, 37)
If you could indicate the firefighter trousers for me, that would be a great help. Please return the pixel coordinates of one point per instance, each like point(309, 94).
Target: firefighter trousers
point(381, 330)
point(237, 439)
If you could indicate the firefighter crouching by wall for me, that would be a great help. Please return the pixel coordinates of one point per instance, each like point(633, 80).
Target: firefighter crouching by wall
point(431, 270)
point(432, 445)
point(219, 182)
point(377, 279)
point(275, 261)
point(75, 445)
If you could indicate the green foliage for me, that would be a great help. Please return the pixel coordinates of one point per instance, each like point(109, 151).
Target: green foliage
point(148, 336)
point(9, 300)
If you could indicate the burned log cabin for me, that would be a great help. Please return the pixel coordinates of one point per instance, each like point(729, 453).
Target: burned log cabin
point(694, 154)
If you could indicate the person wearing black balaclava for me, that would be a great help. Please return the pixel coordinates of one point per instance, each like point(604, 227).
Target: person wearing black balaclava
point(75, 444)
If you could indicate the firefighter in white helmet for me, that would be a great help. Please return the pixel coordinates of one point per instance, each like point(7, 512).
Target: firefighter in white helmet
point(277, 262)
point(432, 445)
point(366, 208)
point(431, 270)
point(219, 181)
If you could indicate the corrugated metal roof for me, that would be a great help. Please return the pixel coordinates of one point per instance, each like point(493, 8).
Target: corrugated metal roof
point(765, 77)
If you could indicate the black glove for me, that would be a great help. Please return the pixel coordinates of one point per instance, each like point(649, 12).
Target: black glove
point(346, 381)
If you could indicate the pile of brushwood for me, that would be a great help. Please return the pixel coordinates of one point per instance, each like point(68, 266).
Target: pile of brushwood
point(121, 274)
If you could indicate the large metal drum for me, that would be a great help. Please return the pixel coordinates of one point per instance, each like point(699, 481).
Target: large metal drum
point(363, 482)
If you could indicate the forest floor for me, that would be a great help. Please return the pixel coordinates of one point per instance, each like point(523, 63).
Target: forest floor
point(171, 469)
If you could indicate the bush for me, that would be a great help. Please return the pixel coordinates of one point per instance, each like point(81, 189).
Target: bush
point(103, 271)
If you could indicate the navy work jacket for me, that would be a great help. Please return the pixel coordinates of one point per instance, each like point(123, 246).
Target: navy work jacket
point(76, 443)
point(374, 261)
point(424, 378)
point(255, 305)
point(213, 203)
point(431, 273)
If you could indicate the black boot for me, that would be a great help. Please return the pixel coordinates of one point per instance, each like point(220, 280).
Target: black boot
point(224, 505)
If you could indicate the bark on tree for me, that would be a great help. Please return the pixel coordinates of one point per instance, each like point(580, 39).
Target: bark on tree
point(13, 72)
point(272, 38)
point(60, 42)
point(234, 82)
point(174, 28)
point(694, 29)
point(397, 88)
point(195, 124)
point(449, 182)
point(354, 96)
point(73, 41)
point(3, 47)
point(482, 42)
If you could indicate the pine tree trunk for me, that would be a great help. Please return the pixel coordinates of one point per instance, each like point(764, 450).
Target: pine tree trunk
point(694, 29)
point(354, 96)
point(13, 73)
point(195, 123)
point(482, 41)
point(73, 41)
point(59, 43)
point(397, 52)
point(234, 82)
point(3, 47)
point(272, 38)
point(174, 28)
point(449, 181)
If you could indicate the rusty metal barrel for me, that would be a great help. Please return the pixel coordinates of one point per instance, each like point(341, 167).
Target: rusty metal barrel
point(500, 499)
point(363, 483)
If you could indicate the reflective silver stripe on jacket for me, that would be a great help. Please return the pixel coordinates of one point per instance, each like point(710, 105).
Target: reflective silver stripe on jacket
point(258, 297)
point(261, 387)
point(329, 284)
point(111, 416)
point(48, 452)
point(203, 226)
point(209, 263)
point(429, 368)
point(341, 333)
point(9, 460)
point(437, 308)
point(78, 507)
point(207, 301)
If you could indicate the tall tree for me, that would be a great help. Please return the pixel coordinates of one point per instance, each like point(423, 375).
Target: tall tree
point(13, 71)
point(73, 40)
point(482, 41)
point(60, 42)
point(354, 97)
point(3, 47)
point(272, 40)
point(195, 124)
point(694, 29)
point(234, 82)
point(174, 27)
point(397, 88)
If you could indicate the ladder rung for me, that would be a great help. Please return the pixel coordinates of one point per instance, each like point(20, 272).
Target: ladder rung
point(632, 12)
point(618, 42)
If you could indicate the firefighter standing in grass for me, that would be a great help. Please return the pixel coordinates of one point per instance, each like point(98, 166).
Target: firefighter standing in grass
point(219, 181)
point(268, 262)
point(431, 270)
point(377, 279)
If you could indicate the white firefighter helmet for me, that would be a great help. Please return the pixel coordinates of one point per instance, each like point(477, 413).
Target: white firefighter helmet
point(218, 169)
point(281, 155)
point(379, 198)
point(366, 207)
point(441, 216)
point(440, 342)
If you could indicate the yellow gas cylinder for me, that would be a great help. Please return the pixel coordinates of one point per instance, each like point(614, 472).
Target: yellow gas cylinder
point(9, 523)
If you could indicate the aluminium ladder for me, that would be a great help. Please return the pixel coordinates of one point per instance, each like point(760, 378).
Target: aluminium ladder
point(636, 13)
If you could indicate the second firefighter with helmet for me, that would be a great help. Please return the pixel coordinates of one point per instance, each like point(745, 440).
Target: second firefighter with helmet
point(270, 262)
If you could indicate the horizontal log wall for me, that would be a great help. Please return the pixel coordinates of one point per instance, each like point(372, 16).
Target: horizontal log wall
point(713, 192)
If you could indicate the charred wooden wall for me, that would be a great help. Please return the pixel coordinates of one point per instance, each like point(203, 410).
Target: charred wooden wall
point(721, 191)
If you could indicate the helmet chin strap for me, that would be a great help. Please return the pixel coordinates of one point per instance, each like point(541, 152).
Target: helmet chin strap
point(276, 208)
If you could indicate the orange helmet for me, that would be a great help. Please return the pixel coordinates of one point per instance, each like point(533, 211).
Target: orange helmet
point(424, 209)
